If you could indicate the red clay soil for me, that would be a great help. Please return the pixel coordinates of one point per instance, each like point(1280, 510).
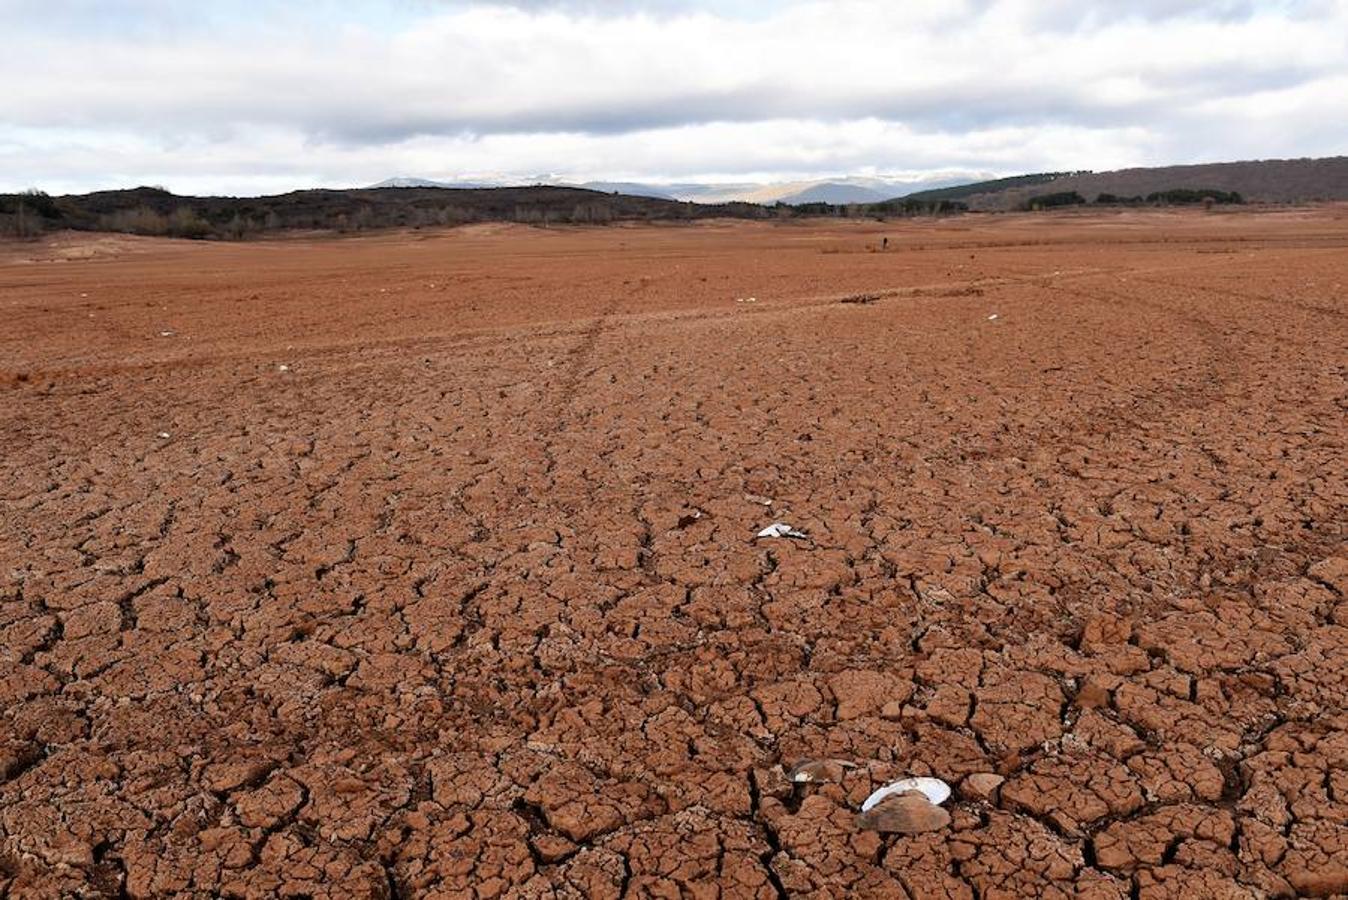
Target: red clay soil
point(424, 564)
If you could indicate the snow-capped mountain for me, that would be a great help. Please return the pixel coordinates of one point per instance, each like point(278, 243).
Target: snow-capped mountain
point(403, 181)
point(849, 189)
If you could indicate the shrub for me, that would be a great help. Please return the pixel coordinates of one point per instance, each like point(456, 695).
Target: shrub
point(185, 223)
point(141, 220)
point(1116, 200)
point(592, 213)
point(1061, 198)
point(1186, 196)
point(27, 214)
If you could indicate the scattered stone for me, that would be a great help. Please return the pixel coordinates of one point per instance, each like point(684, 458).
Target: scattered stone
point(688, 518)
point(552, 848)
point(983, 787)
point(907, 813)
point(1092, 695)
point(819, 770)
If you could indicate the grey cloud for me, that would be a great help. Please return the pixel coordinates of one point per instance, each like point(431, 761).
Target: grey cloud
point(445, 71)
point(960, 105)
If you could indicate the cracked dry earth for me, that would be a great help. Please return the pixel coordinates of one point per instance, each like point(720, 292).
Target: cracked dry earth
point(464, 601)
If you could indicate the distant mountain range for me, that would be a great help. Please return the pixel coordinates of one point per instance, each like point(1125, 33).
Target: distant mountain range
point(1271, 181)
point(852, 189)
point(416, 202)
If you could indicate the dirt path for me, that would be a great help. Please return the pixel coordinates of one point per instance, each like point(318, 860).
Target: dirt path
point(423, 564)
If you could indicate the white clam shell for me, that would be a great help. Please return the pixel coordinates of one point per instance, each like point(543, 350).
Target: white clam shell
point(936, 791)
point(781, 529)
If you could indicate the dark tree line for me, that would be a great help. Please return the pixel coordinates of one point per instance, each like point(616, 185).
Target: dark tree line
point(904, 206)
point(1172, 197)
point(155, 211)
point(1049, 201)
point(26, 214)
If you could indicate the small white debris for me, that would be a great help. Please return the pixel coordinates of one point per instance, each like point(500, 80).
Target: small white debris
point(992, 318)
point(814, 771)
point(935, 790)
point(759, 499)
point(166, 334)
point(781, 529)
point(84, 295)
point(164, 435)
point(283, 368)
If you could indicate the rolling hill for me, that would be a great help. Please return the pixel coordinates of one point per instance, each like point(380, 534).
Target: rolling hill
point(1266, 181)
point(996, 185)
point(413, 202)
point(147, 210)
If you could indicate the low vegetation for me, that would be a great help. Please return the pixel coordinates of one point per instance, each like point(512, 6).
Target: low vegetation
point(26, 215)
point(155, 211)
point(1175, 197)
point(1172, 197)
point(1049, 201)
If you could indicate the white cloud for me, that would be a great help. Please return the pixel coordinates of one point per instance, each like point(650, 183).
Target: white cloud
point(338, 95)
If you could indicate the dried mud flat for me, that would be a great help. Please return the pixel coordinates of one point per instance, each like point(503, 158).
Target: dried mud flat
point(424, 565)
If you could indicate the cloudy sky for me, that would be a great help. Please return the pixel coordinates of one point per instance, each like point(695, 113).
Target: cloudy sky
point(265, 96)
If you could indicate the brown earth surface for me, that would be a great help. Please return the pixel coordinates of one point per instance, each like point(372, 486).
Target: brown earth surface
point(424, 564)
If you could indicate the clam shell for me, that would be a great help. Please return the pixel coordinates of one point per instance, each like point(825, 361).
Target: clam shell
point(934, 789)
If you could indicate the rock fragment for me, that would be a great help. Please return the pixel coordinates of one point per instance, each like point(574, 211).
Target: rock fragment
point(552, 848)
point(906, 813)
point(982, 786)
